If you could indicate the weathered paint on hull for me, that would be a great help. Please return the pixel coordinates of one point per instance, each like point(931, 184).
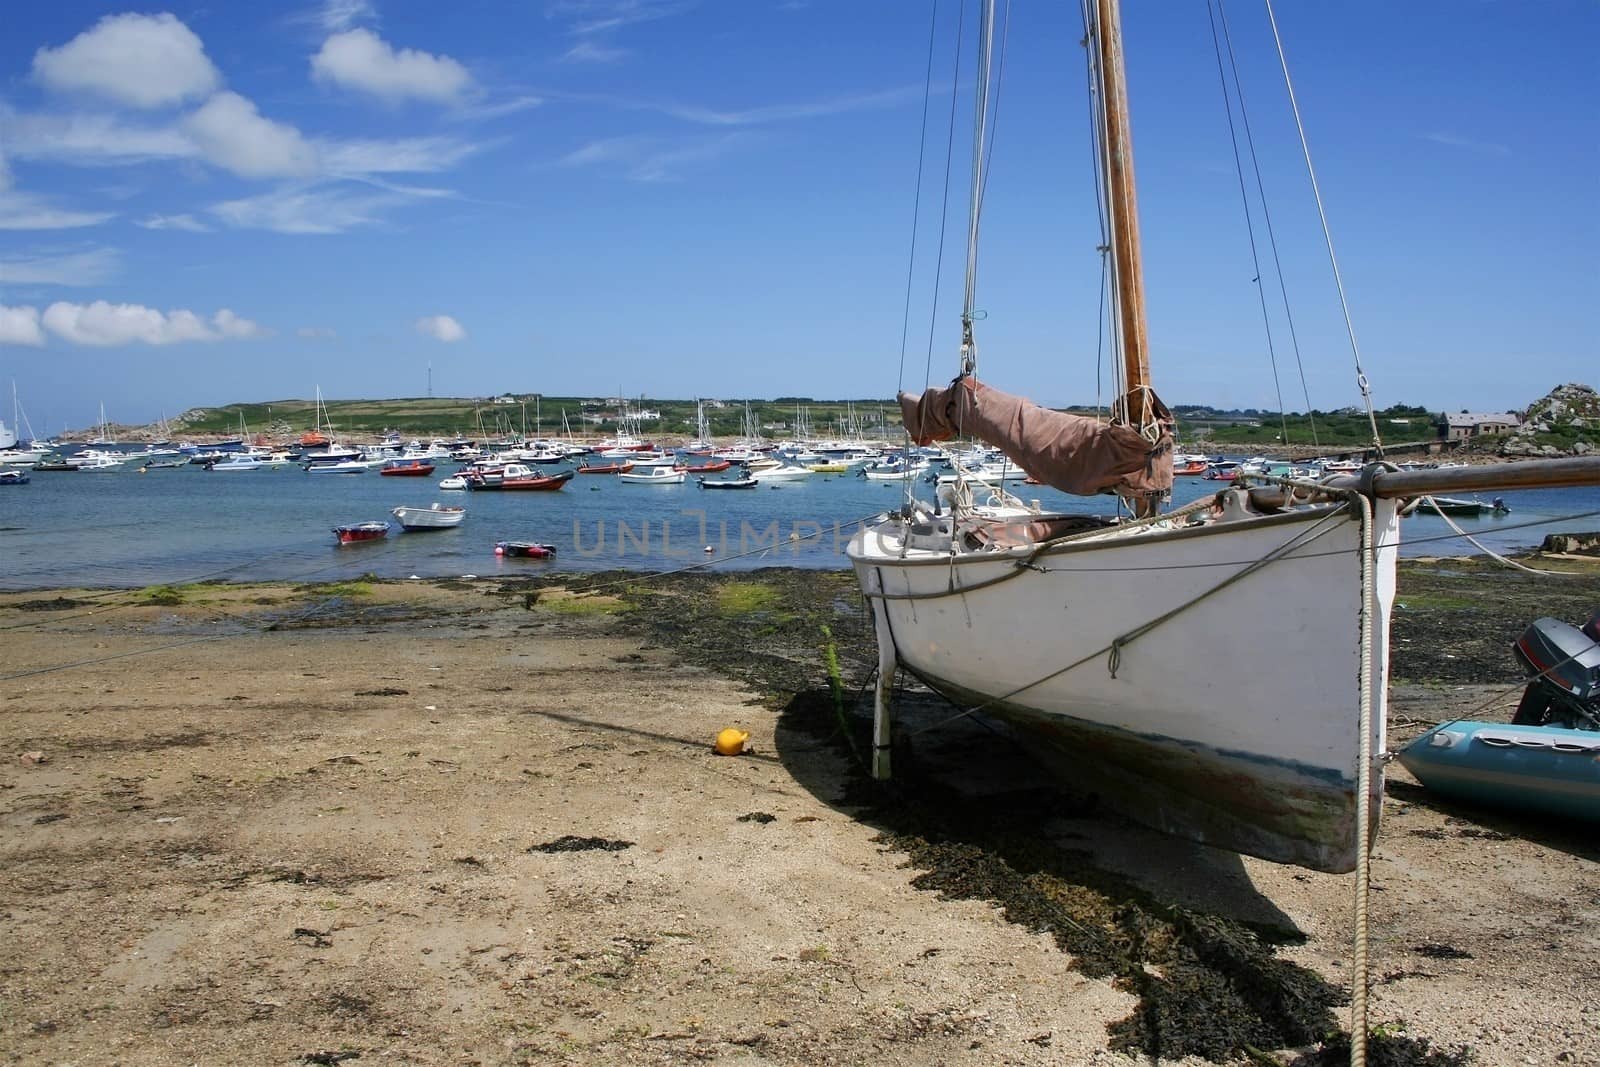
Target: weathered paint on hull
point(1234, 722)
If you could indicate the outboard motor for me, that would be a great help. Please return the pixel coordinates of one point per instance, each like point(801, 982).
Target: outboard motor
point(1564, 664)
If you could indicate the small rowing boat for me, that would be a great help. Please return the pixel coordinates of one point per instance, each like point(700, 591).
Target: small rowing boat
point(437, 517)
point(354, 532)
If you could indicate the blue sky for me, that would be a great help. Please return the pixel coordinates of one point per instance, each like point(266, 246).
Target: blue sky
point(204, 203)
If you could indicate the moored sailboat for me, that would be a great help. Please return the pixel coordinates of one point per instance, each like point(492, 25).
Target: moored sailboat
point(1101, 638)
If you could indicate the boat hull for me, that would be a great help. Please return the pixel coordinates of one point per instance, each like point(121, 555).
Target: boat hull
point(524, 550)
point(363, 531)
point(1529, 768)
point(1234, 722)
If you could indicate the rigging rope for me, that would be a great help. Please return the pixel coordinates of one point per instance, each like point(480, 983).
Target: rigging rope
point(1249, 223)
point(1327, 236)
point(916, 208)
point(944, 199)
point(1359, 978)
point(916, 217)
point(980, 124)
point(1266, 215)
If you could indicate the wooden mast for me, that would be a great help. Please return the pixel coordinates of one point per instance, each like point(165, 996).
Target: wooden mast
point(1124, 211)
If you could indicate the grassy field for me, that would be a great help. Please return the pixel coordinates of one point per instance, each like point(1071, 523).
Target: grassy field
point(460, 416)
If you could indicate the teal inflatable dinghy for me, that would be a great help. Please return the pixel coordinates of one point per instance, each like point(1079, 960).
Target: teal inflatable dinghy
point(1533, 768)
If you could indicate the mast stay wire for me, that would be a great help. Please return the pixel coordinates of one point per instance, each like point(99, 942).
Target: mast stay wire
point(1249, 223)
point(1327, 236)
point(1266, 215)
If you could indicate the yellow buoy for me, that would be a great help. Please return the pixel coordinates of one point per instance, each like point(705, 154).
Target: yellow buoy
point(731, 742)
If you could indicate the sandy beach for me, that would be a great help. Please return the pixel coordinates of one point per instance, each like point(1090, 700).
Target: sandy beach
point(456, 822)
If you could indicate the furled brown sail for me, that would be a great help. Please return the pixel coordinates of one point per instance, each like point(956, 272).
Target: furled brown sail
point(1075, 454)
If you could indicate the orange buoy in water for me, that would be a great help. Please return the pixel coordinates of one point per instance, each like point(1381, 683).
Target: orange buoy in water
point(731, 742)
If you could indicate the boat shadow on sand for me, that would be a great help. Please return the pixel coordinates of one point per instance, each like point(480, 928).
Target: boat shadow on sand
point(1475, 822)
point(1180, 926)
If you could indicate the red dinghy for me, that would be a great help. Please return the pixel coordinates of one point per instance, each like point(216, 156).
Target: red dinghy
point(361, 531)
point(708, 468)
point(524, 549)
point(406, 468)
point(608, 468)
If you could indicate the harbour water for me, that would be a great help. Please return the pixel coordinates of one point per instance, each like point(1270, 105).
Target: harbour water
point(122, 528)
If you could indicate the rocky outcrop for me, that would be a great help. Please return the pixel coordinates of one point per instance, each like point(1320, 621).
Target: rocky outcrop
point(1564, 423)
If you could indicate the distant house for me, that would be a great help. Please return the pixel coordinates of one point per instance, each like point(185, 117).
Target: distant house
point(1468, 424)
point(649, 415)
point(504, 399)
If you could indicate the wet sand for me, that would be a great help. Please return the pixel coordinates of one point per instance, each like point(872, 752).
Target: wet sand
point(450, 822)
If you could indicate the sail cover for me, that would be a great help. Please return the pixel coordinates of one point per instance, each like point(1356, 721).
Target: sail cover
point(1072, 453)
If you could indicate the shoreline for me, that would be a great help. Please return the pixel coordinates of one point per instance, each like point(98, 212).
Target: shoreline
point(317, 811)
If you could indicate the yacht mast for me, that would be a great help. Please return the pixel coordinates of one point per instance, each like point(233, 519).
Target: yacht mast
point(1123, 209)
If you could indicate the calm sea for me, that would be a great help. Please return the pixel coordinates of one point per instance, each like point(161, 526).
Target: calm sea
point(123, 528)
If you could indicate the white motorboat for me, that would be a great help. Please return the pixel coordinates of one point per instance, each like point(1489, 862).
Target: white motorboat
point(783, 472)
point(653, 475)
point(342, 466)
point(434, 517)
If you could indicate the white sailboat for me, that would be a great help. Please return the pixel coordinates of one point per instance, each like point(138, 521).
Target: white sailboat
point(1217, 671)
point(11, 452)
point(1118, 644)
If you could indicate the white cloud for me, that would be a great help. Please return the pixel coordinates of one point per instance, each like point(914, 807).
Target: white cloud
point(101, 323)
point(71, 268)
point(441, 328)
point(233, 135)
point(233, 327)
point(317, 333)
point(360, 59)
point(141, 60)
point(175, 222)
point(20, 326)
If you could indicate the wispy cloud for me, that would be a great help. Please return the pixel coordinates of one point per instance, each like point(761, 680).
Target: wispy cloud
point(27, 211)
point(336, 16)
point(755, 116)
point(88, 267)
point(174, 222)
point(585, 17)
point(302, 209)
point(587, 51)
point(316, 333)
point(650, 159)
point(1489, 148)
point(406, 155)
point(486, 110)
